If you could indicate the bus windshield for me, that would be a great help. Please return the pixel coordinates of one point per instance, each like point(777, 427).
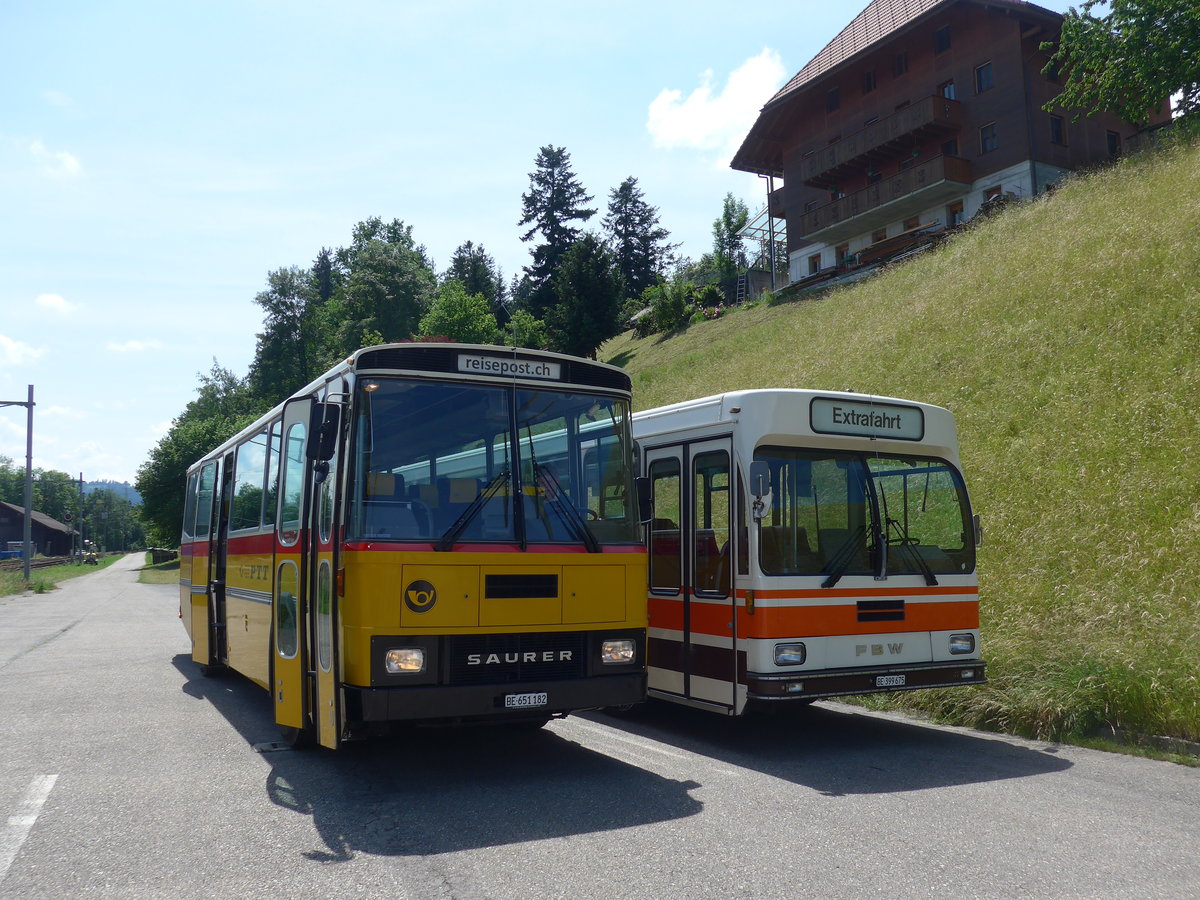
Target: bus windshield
point(449, 462)
point(841, 513)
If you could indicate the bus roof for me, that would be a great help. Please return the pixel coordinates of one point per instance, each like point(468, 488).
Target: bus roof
point(788, 417)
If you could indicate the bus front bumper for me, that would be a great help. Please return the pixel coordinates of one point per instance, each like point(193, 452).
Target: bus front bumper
point(847, 682)
point(434, 704)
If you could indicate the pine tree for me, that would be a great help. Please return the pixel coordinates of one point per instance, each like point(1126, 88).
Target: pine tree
point(554, 201)
point(587, 289)
point(478, 273)
point(638, 242)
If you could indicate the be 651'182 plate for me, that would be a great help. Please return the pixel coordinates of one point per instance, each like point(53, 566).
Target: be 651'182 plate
point(525, 701)
point(889, 681)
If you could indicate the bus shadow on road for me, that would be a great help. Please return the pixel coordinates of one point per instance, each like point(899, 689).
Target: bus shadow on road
point(434, 791)
point(839, 750)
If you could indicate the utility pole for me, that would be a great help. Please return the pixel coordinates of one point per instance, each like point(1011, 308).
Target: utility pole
point(27, 554)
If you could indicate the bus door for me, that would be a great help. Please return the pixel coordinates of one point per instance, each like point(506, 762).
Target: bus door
point(693, 651)
point(218, 554)
point(322, 595)
point(289, 667)
point(204, 651)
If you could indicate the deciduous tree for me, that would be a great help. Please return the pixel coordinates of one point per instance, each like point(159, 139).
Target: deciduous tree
point(460, 316)
point(1130, 60)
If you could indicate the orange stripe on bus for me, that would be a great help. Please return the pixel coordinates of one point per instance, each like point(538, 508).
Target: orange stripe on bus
point(810, 621)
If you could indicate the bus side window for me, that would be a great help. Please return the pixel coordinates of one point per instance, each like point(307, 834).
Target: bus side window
point(666, 573)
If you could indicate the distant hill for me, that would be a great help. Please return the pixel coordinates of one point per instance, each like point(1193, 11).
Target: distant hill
point(120, 488)
point(1065, 336)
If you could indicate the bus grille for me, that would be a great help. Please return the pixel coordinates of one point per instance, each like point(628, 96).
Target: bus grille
point(514, 658)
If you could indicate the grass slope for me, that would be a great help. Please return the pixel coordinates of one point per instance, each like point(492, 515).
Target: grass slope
point(1065, 336)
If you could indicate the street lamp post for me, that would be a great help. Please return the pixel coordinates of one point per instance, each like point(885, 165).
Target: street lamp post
point(28, 530)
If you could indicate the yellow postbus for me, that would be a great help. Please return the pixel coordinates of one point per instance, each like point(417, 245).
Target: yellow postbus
point(429, 534)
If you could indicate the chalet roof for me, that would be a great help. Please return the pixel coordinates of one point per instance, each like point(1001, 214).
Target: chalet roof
point(881, 19)
point(40, 518)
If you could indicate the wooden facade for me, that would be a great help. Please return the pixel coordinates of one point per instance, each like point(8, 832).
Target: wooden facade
point(911, 118)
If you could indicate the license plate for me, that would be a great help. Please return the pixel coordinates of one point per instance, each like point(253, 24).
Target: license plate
point(524, 701)
point(889, 681)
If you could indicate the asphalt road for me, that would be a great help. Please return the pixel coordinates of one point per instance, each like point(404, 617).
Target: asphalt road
point(125, 773)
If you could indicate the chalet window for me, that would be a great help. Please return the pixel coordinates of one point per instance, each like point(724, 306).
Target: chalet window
point(814, 264)
point(878, 235)
point(941, 39)
point(954, 214)
point(868, 81)
point(983, 78)
point(946, 89)
point(989, 193)
point(906, 164)
point(843, 253)
point(1114, 143)
point(811, 205)
point(1058, 131)
point(987, 138)
point(874, 176)
point(833, 100)
point(900, 64)
point(950, 147)
point(910, 224)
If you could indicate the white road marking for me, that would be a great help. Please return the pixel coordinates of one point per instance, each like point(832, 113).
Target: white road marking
point(21, 823)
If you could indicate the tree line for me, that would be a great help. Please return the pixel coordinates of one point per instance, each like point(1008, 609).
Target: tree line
point(107, 519)
point(579, 289)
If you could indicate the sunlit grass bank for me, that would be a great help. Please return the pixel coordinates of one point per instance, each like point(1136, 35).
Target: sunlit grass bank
point(1065, 337)
point(42, 580)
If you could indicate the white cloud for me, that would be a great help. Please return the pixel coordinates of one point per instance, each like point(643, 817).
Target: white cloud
point(15, 353)
point(56, 304)
point(711, 119)
point(62, 412)
point(56, 164)
point(57, 98)
point(134, 346)
point(160, 429)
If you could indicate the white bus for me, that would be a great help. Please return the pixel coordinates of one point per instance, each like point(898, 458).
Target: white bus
point(806, 544)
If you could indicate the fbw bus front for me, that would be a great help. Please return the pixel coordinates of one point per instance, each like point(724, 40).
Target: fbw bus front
point(806, 544)
point(427, 533)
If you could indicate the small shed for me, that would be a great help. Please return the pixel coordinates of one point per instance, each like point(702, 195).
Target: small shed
point(50, 537)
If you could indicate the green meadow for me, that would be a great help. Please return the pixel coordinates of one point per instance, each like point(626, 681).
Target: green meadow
point(1064, 334)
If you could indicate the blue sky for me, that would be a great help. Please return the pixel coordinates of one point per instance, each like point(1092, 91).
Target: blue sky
point(158, 159)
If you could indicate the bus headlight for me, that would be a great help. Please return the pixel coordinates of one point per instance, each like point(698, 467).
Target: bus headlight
point(405, 660)
point(617, 652)
point(790, 654)
point(962, 643)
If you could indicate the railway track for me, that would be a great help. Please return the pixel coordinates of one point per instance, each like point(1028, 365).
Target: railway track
point(17, 565)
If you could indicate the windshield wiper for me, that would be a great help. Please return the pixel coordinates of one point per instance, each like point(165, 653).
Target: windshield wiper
point(557, 500)
point(840, 561)
point(906, 547)
point(468, 515)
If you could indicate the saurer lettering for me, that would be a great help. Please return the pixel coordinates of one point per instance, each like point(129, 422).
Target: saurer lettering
point(528, 656)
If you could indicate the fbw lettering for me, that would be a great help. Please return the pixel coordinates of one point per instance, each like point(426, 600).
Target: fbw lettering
point(878, 649)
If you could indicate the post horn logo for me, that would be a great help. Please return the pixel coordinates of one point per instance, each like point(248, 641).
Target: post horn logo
point(420, 596)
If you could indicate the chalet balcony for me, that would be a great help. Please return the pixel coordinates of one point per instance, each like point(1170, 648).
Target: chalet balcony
point(882, 141)
point(936, 180)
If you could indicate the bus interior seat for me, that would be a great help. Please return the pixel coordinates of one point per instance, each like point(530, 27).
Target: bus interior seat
point(784, 549)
